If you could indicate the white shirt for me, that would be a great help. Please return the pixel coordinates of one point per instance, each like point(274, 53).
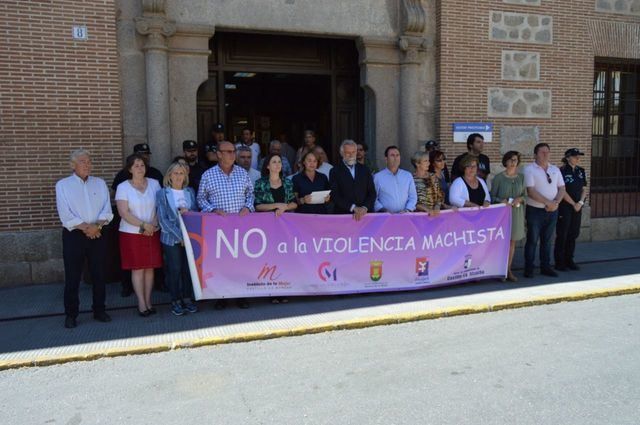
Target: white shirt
point(80, 201)
point(459, 194)
point(325, 168)
point(395, 192)
point(141, 204)
point(255, 153)
point(254, 174)
point(535, 176)
point(180, 200)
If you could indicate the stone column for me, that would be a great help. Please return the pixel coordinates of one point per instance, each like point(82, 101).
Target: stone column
point(157, 28)
point(132, 76)
point(188, 69)
point(411, 58)
point(413, 46)
point(380, 78)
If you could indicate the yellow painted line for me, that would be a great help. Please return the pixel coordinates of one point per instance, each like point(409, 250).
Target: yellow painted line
point(359, 323)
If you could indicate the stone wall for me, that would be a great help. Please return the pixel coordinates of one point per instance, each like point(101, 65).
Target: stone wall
point(520, 66)
point(623, 7)
point(527, 67)
point(521, 27)
point(519, 103)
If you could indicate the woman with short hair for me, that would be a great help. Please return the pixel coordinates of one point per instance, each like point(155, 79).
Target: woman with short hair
point(430, 195)
point(139, 236)
point(508, 187)
point(469, 190)
point(174, 199)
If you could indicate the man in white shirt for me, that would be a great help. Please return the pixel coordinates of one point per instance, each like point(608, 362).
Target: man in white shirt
point(243, 159)
point(84, 208)
point(545, 190)
point(395, 188)
point(246, 139)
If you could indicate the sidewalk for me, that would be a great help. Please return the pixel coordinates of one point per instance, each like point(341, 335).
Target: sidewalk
point(32, 332)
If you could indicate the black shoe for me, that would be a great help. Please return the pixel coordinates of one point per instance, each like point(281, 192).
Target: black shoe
point(548, 272)
point(528, 273)
point(560, 268)
point(220, 305)
point(152, 310)
point(70, 322)
point(573, 266)
point(242, 303)
point(145, 313)
point(102, 317)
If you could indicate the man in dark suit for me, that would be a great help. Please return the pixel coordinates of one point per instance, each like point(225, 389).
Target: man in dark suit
point(352, 189)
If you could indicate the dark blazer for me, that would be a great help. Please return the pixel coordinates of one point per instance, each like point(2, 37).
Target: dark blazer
point(347, 191)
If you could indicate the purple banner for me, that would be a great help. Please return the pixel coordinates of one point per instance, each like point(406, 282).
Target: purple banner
point(302, 254)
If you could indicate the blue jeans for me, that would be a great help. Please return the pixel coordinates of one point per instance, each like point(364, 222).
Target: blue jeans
point(177, 276)
point(541, 226)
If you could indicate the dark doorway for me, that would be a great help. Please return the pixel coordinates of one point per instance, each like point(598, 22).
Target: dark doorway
point(281, 85)
point(278, 106)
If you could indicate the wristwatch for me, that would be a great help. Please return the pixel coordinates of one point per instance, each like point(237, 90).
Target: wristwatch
point(581, 202)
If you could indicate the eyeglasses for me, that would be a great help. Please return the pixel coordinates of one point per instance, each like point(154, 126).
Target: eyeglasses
point(226, 151)
point(439, 160)
point(548, 177)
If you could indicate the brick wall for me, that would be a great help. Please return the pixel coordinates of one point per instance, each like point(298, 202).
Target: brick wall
point(469, 63)
point(56, 94)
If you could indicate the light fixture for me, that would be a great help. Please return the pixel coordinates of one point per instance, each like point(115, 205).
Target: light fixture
point(244, 74)
point(230, 87)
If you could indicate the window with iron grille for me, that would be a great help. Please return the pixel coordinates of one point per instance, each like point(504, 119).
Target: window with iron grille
point(615, 162)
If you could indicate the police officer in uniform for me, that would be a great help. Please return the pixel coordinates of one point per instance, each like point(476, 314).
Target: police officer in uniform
point(570, 210)
point(210, 156)
point(154, 173)
point(190, 150)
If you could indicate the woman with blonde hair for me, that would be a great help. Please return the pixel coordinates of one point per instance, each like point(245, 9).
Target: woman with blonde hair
point(175, 198)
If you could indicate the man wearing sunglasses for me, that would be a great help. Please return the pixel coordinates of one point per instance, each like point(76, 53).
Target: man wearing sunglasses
point(545, 190)
point(226, 189)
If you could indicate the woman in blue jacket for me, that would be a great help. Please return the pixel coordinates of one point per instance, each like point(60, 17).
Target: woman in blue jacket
point(172, 200)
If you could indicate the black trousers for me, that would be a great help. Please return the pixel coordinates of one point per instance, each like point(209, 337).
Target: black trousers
point(76, 247)
point(567, 231)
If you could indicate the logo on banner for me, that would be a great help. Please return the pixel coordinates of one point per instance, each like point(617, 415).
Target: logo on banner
point(325, 273)
point(375, 270)
point(422, 266)
point(467, 262)
point(269, 272)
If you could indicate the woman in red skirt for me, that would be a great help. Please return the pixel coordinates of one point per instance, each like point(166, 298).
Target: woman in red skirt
point(139, 232)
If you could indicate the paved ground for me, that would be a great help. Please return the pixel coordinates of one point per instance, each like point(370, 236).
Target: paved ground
point(31, 318)
point(570, 363)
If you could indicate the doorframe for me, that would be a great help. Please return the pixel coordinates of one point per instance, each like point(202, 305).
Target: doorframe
point(219, 67)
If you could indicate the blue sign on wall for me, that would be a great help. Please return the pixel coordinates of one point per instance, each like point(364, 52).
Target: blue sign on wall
point(461, 130)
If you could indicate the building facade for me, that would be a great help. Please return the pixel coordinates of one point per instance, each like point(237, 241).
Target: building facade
point(106, 75)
